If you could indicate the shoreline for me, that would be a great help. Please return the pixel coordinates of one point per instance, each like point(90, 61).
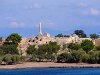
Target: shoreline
point(49, 65)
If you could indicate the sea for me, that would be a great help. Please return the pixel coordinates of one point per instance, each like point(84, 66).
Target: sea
point(51, 71)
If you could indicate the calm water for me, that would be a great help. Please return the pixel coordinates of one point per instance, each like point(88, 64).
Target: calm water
point(52, 71)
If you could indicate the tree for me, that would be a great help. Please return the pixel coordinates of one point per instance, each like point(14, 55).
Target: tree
point(62, 57)
point(47, 51)
point(80, 33)
point(7, 59)
point(93, 57)
point(1, 39)
point(75, 57)
point(59, 35)
point(87, 45)
point(85, 58)
point(15, 58)
point(41, 52)
point(66, 35)
point(81, 54)
point(10, 49)
point(44, 51)
point(14, 38)
point(1, 58)
point(31, 50)
point(74, 46)
point(54, 47)
point(94, 36)
point(1, 52)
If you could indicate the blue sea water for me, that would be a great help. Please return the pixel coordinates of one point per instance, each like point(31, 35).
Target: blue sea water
point(51, 71)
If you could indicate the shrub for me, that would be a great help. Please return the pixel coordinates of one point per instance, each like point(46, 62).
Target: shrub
point(75, 57)
point(62, 57)
point(74, 46)
point(15, 38)
point(22, 58)
point(10, 49)
point(34, 58)
point(7, 59)
point(31, 50)
point(97, 47)
point(93, 57)
point(15, 58)
point(1, 52)
point(87, 45)
point(1, 58)
point(85, 58)
point(80, 54)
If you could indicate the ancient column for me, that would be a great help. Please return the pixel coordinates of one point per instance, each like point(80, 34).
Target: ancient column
point(40, 28)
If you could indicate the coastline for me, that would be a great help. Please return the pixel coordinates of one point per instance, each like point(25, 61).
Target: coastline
point(49, 65)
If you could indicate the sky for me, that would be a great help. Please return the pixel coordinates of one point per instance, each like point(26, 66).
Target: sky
point(57, 16)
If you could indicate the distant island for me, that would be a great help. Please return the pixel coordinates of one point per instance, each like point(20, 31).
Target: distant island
point(43, 50)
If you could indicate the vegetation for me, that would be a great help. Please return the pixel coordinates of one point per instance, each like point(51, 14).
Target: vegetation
point(80, 33)
point(87, 45)
point(94, 36)
point(9, 52)
point(31, 50)
point(14, 38)
point(84, 52)
point(10, 49)
point(97, 47)
point(1, 39)
point(43, 52)
point(59, 35)
point(74, 46)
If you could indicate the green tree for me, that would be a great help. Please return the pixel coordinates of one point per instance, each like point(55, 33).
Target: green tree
point(93, 57)
point(7, 59)
point(59, 35)
point(31, 50)
point(80, 33)
point(1, 52)
point(10, 49)
point(85, 58)
point(94, 36)
point(1, 39)
point(15, 59)
point(87, 45)
point(14, 38)
point(74, 46)
point(41, 52)
point(62, 57)
point(54, 47)
point(66, 35)
point(75, 57)
point(1, 58)
point(81, 54)
point(44, 51)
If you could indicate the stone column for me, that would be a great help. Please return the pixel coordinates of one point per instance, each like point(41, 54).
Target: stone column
point(40, 28)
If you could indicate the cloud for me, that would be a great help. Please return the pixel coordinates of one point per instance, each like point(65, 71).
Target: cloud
point(15, 24)
point(92, 11)
point(36, 5)
point(82, 4)
point(49, 24)
point(10, 18)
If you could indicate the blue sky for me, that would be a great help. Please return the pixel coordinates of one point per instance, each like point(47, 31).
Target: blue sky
point(57, 16)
